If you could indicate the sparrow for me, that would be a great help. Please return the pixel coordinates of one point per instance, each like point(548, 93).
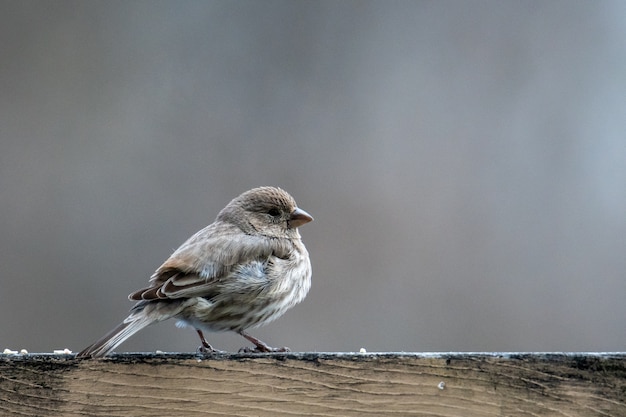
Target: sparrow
point(244, 270)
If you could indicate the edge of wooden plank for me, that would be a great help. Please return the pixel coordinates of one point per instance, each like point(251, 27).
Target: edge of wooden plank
point(132, 356)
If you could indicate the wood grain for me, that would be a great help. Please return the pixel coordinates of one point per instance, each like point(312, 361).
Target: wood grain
point(315, 384)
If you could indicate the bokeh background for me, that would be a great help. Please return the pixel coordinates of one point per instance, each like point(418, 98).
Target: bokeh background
point(465, 163)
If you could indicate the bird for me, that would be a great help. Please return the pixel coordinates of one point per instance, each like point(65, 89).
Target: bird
point(242, 271)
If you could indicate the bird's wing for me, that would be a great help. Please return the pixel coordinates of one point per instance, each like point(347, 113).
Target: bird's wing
point(207, 258)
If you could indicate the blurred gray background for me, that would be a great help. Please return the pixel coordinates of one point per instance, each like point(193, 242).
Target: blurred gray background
point(465, 163)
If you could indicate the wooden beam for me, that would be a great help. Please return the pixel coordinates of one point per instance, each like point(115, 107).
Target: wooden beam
point(316, 384)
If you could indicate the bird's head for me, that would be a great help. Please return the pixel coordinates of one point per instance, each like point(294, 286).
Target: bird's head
point(269, 211)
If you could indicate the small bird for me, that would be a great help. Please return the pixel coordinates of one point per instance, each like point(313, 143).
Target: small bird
point(243, 270)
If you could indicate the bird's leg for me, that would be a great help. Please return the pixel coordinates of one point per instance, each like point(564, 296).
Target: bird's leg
point(206, 347)
point(260, 345)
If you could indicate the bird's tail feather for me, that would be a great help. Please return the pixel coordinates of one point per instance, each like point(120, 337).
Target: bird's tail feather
point(131, 325)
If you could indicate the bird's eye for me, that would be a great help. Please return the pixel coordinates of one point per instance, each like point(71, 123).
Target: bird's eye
point(273, 212)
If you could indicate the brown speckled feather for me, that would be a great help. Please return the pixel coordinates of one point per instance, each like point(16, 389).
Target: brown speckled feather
point(208, 258)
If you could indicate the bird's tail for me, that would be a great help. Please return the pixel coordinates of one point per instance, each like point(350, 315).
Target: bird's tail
point(136, 321)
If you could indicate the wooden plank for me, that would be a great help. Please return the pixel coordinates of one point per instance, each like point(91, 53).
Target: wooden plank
point(316, 384)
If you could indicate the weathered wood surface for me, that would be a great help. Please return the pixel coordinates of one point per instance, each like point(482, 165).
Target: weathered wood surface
point(315, 384)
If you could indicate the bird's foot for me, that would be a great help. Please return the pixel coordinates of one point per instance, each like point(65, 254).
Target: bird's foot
point(260, 346)
point(205, 348)
point(207, 351)
point(263, 349)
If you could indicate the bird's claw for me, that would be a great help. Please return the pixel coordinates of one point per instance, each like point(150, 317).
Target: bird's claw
point(202, 350)
point(263, 349)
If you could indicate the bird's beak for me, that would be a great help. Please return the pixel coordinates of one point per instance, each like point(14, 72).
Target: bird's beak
point(298, 218)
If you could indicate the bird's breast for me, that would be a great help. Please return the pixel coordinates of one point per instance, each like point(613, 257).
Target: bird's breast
point(254, 294)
